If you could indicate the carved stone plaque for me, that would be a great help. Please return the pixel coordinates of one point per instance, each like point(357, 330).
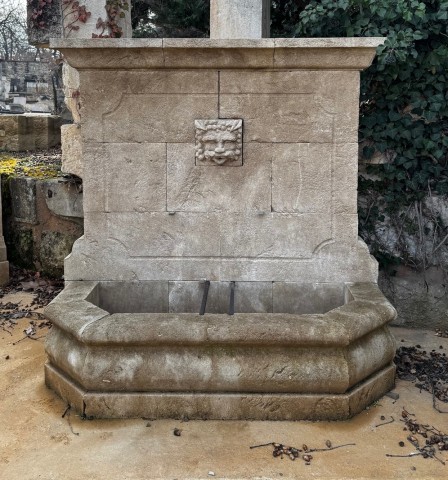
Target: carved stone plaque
point(219, 142)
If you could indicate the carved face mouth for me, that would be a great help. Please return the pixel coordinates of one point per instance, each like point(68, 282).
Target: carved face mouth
point(219, 159)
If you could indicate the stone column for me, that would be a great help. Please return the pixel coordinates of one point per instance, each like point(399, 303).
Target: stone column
point(231, 19)
point(94, 10)
point(73, 20)
point(4, 264)
point(71, 134)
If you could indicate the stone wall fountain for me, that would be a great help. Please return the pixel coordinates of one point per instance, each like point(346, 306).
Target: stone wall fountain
point(220, 274)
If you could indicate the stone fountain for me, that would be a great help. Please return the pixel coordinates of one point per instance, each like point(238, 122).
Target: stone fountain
point(220, 274)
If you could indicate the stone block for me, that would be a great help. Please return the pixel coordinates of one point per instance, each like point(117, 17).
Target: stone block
point(272, 82)
point(293, 118)
point(54, 247)
point(9, 140)
point(164, 118)
point(338, 94)
point(142, 189)
point(250, 297)
point(133, 297)
point(325, 53)
point(205, 53)
point(29, 132)
point(63, 198)
point(71, 84)
point(198, 188)
point(71, 150)
point(213, 234)
point(145, 83)
point(306, 298)
point(273, 235)
point(345, 178)
point(302, 178)
point(154, 234)
point(23, 198)
point(332, 262)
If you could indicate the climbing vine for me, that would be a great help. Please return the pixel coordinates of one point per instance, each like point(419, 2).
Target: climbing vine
point(76, 12)
point(115, 10)
point(37, 12)
point(404, 107)
point(73, 13)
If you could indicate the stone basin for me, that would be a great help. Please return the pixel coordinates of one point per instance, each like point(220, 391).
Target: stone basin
point(112, 354)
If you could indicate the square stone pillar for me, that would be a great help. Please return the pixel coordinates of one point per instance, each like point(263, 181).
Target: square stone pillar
point(232, 19)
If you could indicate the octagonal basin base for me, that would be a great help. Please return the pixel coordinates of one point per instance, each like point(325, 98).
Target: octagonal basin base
point(109, 356)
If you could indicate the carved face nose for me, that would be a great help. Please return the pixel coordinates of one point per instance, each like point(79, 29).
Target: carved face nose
point(220, 148)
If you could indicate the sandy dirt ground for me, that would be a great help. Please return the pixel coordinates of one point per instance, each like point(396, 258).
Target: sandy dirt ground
point(36, 442)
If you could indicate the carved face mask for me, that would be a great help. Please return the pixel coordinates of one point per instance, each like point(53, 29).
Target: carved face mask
point(218, 141)
point(220, 146)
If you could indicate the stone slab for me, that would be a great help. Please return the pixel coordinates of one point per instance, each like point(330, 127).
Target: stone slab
point(29, 132)
point(193, 53)
point(250, 297)
point(23, 197)
point(188, 234)
point(303, 298)
point(143, 187)
point(197, 188)
point(149, 82)
point(293, 118)
point(302, 178)
point(164, 118)
point(333, 262)
point(4, 264)
point(135, 297)
point(72, 150)
point(63, 198)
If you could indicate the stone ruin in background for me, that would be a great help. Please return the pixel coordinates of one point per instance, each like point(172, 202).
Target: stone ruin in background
point(220, 274)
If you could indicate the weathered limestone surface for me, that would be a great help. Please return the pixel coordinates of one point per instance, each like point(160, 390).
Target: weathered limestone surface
point(29, 132)
point(193, 188)
point(288, 212)
point(236, 162)
point(63, 199)
point(239, 18)
point(71, 149)
point(42, 222)
point(219, 353)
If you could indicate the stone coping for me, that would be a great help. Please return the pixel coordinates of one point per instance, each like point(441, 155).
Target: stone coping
point(309, 53)
point(367, 310)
